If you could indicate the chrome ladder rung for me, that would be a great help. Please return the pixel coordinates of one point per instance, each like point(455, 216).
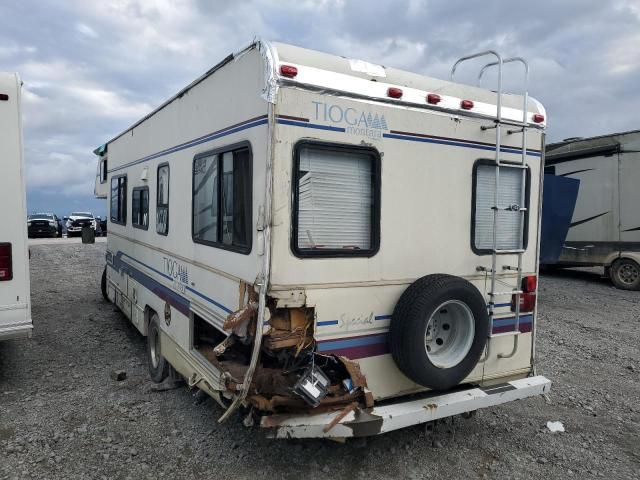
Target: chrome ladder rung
point(512, 165)
point(505, 334)
point(508, 292)
point(509, 208)
point(509, 123)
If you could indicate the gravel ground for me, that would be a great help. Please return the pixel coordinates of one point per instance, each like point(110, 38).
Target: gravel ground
point(62, 416)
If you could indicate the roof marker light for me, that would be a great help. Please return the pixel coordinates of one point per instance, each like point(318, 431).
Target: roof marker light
point(466, 104)
point(538, 118)
point(433, 98)
point(288, 71)
point(394, 92)
point(4, 97)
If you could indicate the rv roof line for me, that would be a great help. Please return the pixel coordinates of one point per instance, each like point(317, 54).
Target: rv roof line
point(582, 139)
point(272, 79)
point(181, 93)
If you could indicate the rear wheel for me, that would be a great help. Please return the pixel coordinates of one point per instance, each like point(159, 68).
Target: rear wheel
point(625, 274)
point(158, 366)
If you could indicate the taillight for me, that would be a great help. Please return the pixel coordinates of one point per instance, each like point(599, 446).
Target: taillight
point(528, 296)
point(6, 264)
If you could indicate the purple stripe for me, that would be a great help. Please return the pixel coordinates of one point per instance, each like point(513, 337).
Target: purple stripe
point(363, 351)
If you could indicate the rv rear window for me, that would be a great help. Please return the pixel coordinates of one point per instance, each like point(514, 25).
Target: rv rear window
point(511, 234)
point(336, 200)
point(119, 200)
point(162, 200)
point(140, 207)
point(222, 199)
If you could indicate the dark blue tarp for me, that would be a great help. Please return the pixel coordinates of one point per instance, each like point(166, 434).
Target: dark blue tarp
point(558, 203)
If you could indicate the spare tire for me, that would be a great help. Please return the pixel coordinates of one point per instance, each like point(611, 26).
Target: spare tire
point(438, 330)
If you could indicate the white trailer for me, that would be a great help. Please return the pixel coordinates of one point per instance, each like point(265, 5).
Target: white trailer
point(605, 228)
point(339, 248)
point(15, 304)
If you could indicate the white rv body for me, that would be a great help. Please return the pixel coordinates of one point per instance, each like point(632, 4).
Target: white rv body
point(15, 303)
point(426, 157)
point(605, 227)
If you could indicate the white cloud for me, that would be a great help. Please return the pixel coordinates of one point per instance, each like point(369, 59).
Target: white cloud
point(86, 30)
point(112, 61)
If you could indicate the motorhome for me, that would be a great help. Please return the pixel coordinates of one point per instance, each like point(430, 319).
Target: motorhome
point(605, 228)
point(15, 305)
point(333, 247)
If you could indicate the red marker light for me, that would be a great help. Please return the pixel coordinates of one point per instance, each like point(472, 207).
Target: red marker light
point(288, 71)
point(433, 98)
point(466, 104)
point(394, 92)
point(538, 118)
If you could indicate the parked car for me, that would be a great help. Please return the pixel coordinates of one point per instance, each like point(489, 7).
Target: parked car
point(77, 220)
point(43, 225)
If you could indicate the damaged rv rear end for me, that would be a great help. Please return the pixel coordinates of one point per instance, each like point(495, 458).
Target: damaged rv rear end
point(359, 249)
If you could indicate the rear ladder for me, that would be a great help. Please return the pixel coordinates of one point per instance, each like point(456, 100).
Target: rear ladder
point(517, 127)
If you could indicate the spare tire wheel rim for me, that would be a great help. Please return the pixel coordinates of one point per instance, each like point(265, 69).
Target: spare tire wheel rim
point(155, 349)
point(449, 334)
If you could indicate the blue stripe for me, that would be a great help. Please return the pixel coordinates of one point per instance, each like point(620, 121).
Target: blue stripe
point(352, 342)
point(457, 144)
point(192, 290)
point(146, 266)
point(501, 322)
point(211, 300)
point(501, 305)
point(194, 142)
point(310, 125)
point(325, 323)
point(383, 317)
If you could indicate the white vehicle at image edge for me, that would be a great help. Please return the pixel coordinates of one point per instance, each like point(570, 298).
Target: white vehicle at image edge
point(15, 302)
point(331, 247)
point(77, 220)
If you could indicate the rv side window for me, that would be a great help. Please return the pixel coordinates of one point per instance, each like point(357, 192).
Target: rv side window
point(222, 199)
point(162, 200)
point(510, 234)
point(119, 200)
point(140, 207)
point(336, 200)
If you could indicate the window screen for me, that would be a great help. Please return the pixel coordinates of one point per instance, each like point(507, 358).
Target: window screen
point(222, 199)
point(335, 200)
point(162, 200)
point(140, 207)
point(119, 200)
point(508, 232)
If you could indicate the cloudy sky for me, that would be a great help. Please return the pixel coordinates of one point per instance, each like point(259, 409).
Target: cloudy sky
point(92, 68)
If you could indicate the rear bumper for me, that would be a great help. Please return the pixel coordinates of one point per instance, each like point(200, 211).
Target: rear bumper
point(381, 419)
point(16, 331)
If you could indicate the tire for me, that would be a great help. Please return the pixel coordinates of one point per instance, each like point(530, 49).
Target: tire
point(103, 285)
point(438, 330)
point(158, 365)
point(625, 274)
